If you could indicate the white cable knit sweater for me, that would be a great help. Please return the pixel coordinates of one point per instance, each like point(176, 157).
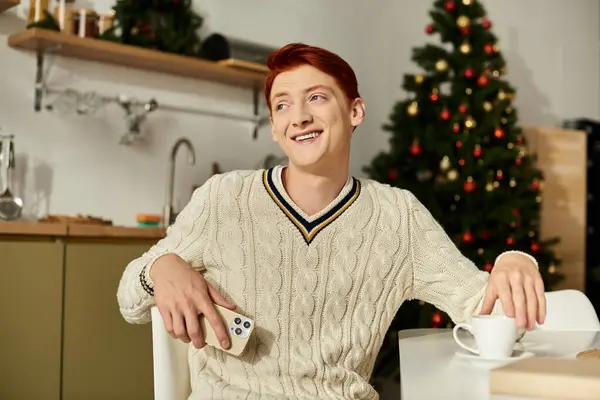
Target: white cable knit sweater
point(323, 290)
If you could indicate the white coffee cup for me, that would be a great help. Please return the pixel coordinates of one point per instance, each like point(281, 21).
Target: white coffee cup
point(495, 335)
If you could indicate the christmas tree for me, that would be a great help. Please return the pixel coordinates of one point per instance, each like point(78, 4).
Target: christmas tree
point(165, 25)
point(456, 145)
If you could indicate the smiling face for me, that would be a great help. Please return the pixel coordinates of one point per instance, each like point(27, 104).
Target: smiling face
point(312, 120)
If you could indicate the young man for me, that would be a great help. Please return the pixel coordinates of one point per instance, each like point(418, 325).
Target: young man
point(319, 259)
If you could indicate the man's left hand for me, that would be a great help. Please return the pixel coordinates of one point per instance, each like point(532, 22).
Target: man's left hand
point(516, 281)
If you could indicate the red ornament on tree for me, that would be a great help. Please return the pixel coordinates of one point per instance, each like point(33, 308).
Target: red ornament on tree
point(456, 128)
point(535, 184)
point(488, 48)
point(429, 29)
point(470, 185)
point(499, 133)
point(392, 174)
point(485, 235)
point(467, 237)
point(463, 108)
point(458, 144)
point(520, 140)
point(450, 6)
point(461, 162)
point(510, 241)
point(483, 81)
point(469, 73)
point(436, 319)
point(415, 149)
point(466, 30)
point(488, 267)
point(486, 23)
point(445, 114)
point(518, 161)
point(535, 247)
point(434, 97)
point(477, 151)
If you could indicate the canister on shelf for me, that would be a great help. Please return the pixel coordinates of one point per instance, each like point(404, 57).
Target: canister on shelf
point(85, 23)
point(105, 22)
point(36, 10)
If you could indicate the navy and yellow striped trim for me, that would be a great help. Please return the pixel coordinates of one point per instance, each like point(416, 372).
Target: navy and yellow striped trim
point(310, 230)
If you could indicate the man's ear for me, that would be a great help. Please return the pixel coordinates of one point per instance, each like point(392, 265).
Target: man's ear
point(357, 112)
point(273, 136)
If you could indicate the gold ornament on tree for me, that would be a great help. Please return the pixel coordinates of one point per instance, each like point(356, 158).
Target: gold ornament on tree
point(465, 48)
point(445, 163)
point(441, 65)
point(463, 21)
point(413, 108)
point(467, 2)
point(487, 106)
point(470, 123)
point(452, 174)
point(419, 79)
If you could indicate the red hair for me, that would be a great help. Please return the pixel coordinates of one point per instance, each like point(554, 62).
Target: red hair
point(294, 55)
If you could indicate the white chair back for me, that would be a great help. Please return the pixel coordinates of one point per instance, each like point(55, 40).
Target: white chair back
point(171, 368)
point(571, 310)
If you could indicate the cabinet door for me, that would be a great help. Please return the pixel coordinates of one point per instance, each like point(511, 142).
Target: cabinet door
point(31, 306)
point(104, 356)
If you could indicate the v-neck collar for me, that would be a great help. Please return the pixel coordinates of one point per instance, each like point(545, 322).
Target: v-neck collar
point(309, 226)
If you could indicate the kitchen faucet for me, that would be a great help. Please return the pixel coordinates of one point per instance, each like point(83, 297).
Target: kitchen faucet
point(169, 214)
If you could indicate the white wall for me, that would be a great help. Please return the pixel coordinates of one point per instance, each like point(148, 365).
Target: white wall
point(71, 164)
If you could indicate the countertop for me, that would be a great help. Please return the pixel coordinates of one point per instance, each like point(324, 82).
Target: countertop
point(23, 228)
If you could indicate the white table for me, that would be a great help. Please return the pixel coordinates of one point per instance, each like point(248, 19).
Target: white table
point(429, 369)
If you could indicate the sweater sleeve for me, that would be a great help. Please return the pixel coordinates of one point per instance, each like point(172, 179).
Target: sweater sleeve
point(442, 276)
point(186, 237)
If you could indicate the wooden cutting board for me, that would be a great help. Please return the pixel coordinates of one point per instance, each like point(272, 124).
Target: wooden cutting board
point(76, 219)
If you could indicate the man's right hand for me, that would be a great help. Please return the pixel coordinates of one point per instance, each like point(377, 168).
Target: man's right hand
point(181, 295)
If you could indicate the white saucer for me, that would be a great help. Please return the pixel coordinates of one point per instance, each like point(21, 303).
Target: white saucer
point(516, 356)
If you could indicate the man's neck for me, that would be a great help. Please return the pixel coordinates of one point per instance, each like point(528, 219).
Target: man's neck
point(312, 192)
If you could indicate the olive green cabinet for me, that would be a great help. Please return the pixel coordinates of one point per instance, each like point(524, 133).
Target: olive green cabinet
point(104, 356)
point(62, 335)
point(31, 286)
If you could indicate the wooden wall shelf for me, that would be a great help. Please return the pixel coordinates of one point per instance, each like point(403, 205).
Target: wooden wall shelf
point(6, 4)
point(131, 56)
